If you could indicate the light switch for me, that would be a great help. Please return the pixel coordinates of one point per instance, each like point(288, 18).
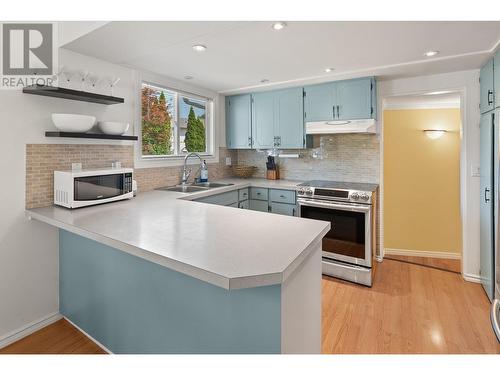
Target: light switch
point(228, 160)
point(475, 171)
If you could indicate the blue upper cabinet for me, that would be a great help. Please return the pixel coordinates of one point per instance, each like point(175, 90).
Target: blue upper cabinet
point(278, 119)
point(289, 122)
point(354, 99)
point(239, 121)
point(263, 119)
point(342, 100)
point(487, 87)
point(496, 71)
point(319, 102)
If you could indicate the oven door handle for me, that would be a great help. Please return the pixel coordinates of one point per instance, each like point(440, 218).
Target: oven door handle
point(337, 206)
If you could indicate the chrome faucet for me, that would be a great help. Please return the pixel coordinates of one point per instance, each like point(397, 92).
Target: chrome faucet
point(187, 172)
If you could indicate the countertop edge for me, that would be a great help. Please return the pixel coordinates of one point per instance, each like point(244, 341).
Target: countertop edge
point(197, 273)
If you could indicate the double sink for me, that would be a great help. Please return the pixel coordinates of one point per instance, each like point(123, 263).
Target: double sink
point(193, 188)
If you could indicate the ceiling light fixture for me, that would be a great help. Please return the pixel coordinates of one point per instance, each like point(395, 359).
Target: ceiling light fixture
point(328, 70)
point(431, 53)
point(438, 92)
point(199, 48)
point(279, 25)
point(434, 133)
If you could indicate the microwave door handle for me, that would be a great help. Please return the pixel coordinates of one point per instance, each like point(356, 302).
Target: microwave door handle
point(344, 207)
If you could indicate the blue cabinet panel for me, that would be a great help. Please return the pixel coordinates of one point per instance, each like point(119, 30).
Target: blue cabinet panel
point(319, 101)
point(354, 99)
point(263, 119)
point(257, 205)
point(289, 125)
point(496, 78)
point(487, 87)
point(283, 209)
point(486, 218)
point(134, 306)
point(238, 121)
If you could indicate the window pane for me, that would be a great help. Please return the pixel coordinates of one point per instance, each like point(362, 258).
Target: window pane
point(192, 125)
point(158, 116)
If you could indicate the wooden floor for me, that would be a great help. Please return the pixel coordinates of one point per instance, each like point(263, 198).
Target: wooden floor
point(58, 338)
point(454, 265)
point(410, 309)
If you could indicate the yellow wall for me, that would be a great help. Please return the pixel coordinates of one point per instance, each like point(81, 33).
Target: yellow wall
point(421, 181)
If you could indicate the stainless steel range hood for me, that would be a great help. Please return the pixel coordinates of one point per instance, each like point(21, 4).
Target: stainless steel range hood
point(341, 127)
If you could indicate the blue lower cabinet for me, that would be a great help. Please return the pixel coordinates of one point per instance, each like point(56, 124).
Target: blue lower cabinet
point(283, 209)
point(131, 305)
point(224, 199)
point(258, 205)
point(244, 205)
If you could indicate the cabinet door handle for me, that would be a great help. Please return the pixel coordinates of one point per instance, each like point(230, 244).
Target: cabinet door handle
point(293, 211)
point(338, 111)
point(250, 141)
point(333, 111)
point(486, 199)
point(490, 97)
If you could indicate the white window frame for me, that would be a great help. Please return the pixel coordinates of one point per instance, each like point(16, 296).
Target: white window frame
point(152, 161)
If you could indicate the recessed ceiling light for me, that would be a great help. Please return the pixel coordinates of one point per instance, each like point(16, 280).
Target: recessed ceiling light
point(328, 70)
point(264, 80)
point(199, 47)
point(431, 53)
point(279, 25)
point(188, 77)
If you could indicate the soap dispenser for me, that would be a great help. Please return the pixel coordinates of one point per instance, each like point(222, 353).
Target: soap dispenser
point(204, 172)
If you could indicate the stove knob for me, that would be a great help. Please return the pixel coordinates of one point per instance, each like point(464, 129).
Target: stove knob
point(365, 197)
point(309, 192)
point(300, 191)
point(355, 196)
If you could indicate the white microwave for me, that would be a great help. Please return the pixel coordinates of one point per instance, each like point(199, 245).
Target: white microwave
point(82, 188)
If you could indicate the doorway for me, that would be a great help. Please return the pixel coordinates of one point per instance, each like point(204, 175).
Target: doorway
point(421, 179)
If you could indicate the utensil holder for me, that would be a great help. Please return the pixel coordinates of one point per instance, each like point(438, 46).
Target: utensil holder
point(273, 174)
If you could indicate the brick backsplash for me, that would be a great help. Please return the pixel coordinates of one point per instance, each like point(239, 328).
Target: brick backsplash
point(340, 157)
point(43, 159)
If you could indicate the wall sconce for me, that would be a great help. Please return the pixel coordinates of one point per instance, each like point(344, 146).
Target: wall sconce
point(434, 133)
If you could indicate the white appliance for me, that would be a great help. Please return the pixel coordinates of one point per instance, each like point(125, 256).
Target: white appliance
point(348, 248)
point(341, 127)
point(73, 189)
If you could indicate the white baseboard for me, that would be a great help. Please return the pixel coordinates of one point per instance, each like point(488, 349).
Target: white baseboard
point(471, 278)
point(89, 337)
point(28, 329)
point(421, 253)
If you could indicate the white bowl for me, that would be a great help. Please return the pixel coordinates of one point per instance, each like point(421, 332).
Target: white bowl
point(67, 122)
point(113, 127)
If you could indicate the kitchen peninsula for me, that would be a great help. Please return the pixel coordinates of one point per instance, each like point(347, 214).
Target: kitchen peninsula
point(159, 274)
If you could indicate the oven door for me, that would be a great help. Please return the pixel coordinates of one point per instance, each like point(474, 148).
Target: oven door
point(349, 239)
point(95, 188)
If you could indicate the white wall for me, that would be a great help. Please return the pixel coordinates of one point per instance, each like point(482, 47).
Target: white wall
point(28, 249)
point(468, 83)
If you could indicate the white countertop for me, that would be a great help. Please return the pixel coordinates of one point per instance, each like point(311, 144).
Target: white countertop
point(228, 247)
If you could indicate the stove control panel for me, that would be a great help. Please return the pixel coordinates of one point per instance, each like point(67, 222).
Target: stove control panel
point(334, 194)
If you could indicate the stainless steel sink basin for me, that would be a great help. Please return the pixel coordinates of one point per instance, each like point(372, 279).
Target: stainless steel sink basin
point(184, 189)
point(193, 188)
point(211, 185)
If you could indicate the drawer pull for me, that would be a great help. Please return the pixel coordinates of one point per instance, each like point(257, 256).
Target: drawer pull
point(282, 196)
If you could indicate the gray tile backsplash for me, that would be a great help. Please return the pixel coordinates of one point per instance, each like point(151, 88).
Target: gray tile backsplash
point(339, 157)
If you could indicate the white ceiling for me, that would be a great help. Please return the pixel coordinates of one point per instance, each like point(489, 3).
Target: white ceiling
point(240, 54)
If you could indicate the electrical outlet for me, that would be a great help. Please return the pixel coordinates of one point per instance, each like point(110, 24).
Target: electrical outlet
point(228, 160)
point(76, 166)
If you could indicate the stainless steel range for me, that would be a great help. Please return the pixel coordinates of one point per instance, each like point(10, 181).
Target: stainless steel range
point(349, 246)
